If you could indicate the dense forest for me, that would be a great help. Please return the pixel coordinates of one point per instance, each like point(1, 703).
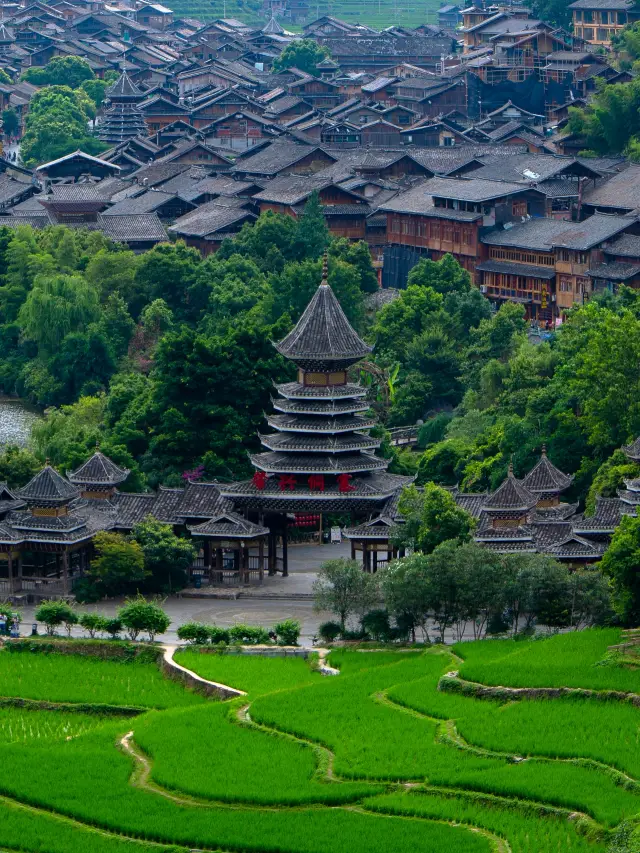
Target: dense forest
point(166, 358)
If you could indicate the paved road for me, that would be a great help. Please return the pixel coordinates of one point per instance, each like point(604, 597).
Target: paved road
point(263, 606)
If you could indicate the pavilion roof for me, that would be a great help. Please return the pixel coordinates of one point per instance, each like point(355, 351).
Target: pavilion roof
point(98, 470)
point(230, 525)
point(544, 477)
point(48, 487)
point(511, 495)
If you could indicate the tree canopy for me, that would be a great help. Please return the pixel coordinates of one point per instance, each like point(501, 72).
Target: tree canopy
point(303, 54)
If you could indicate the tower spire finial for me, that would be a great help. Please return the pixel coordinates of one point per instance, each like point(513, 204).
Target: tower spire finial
point(511, 465)
point(325, 268)
point(544, 449)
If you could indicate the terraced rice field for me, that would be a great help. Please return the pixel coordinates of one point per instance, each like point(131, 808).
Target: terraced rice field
point(375, 759)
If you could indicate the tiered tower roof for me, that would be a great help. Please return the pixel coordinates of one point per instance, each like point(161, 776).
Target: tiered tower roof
point(123, 119)
point(322, 456)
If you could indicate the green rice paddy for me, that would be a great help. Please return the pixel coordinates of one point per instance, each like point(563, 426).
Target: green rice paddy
point(72, 678)
point(374, 759)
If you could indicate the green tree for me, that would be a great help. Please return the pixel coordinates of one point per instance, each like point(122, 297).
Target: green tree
point(57, 124)
point(167, 272)
point(590, 596)
point(444, 276)
point(92, 623)
point(116, 326)
point(556, 12)
point(83, 365)
point(404, 319)
point(17, 466)
point(52, 614)
point(69, 71)
point(117, 567)
point(10, 121)
point(303, 54)
point(404, 586)
point(313, 233)
point(209, 395)
point(138, 615)
point(431, 518)
point(610, 122)
point(96, 90)
point(167, 557)
point(114, 272)
point(344, 589)
point(57, 306)
point(358, 255)
point(621, 563)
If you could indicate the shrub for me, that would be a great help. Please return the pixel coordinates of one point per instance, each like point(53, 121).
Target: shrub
point(194, 632)
point(113, 627)
point(52, 614)
point(92, 623)
point(329, 631)
point(376, 624)
point(287, 632)
point(218, 636)
point(139, 615)
point(355, 635)
point(249, 635)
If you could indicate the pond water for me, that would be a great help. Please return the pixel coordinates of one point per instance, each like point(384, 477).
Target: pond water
point(16, 418)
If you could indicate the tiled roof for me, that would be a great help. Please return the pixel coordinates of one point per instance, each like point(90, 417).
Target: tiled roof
point(147, 202)
point(627, 246)
point(330, 425)
point(289, 442)
point(323, 332)
point(544, 234)
point(605, 519)
point(201, 500)
point(621, 191)
point(510, 495)
point(274, 158)
point(633, 450)
point(513, 268)
point(98, 470)
point(131, 508)
point(545, 478)
point(298, 391)
point(208, 219)
point(133, 227)
point(472, 502)
point(291, 189)
point(124, 87)
point(309, 463)
point(48, 487)
point(229, 526)
point(614, 271)
point(558, 188)
point(620, 5)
